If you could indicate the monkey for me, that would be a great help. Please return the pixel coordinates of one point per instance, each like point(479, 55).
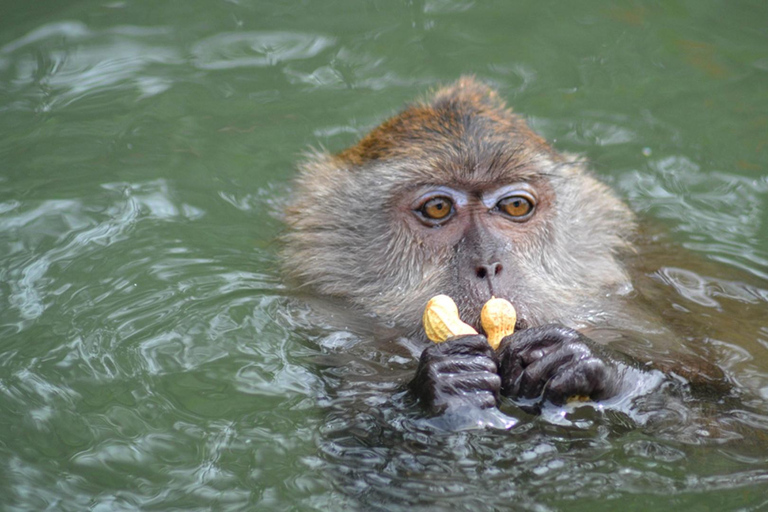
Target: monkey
point(457, 195)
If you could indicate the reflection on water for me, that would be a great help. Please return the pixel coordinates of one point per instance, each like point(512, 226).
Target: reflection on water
point(256, 49)
point(40, 67)
point(150, 356)
point(721, 210)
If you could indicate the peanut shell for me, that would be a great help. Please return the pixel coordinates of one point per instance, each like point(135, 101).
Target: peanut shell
point(498, 318)
point(441, 319)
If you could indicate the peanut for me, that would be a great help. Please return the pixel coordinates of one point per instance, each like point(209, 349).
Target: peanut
point(498, 318)
point(441, 319)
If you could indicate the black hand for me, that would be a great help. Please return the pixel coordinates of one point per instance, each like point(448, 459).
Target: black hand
point(457, 372)
point(554, 363)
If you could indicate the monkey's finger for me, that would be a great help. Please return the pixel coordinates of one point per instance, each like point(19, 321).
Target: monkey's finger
point(473, 382)
point(481, 389)
point(536, 375)
point(464, 346)
point(586, 377)
point(534, 343)
point(465, 364)
point(525, 371)
point(469, 345)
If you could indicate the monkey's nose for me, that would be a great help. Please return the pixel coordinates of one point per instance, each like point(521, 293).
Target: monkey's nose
point(488, 271)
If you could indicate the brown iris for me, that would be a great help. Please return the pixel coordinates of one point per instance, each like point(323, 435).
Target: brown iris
point(437, 208)
point(516, 206)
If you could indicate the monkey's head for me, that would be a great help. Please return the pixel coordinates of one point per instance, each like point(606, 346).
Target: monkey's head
point(455, 196)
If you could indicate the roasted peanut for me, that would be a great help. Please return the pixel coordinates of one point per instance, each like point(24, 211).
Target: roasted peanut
point(441, 319)
point(498, 318)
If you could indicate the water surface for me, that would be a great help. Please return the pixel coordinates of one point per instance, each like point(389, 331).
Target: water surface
point(150, 357)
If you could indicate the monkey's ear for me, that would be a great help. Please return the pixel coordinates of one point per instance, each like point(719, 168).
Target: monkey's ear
point(467, 91)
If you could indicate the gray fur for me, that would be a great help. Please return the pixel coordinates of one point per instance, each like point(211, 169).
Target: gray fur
point(345, 240)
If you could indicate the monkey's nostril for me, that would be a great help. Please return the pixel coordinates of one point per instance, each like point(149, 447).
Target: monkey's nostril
point(483, 271)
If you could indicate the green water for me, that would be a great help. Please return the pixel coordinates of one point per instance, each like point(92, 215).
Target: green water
point(149, 355)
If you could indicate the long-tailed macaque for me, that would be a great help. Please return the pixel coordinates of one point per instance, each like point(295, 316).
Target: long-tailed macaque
point(458, 196)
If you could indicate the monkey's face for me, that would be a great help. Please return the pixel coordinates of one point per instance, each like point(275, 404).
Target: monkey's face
point(478, 237)
point(456, 197)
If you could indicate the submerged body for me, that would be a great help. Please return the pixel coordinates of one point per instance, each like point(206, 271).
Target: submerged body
point(458, 196)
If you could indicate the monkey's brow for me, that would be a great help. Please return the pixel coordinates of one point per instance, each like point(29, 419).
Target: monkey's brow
point(461, 183)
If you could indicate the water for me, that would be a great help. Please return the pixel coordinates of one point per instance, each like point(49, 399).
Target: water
point(151, 357)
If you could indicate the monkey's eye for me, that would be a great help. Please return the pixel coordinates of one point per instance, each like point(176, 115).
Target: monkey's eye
point(436, 209)
point(519, 207)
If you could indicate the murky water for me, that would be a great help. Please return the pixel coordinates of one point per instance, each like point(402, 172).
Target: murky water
point(150, 356)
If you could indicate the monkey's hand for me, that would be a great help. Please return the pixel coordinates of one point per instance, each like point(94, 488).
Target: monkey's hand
point(557, 364)
point(459, 372)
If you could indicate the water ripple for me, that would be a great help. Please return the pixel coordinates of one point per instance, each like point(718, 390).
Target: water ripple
point(93, 61)
point(257, 49)
point(720, 213)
